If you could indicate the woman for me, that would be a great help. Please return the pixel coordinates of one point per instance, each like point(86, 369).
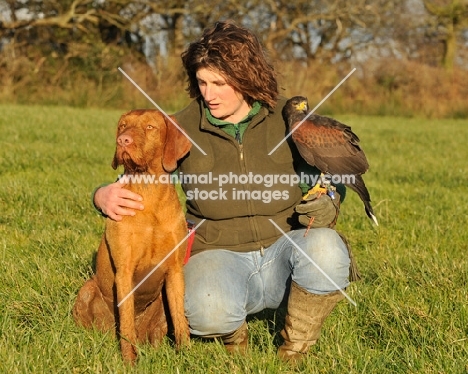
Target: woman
point(241, 260)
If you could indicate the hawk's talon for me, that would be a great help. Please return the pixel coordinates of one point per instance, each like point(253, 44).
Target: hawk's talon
point(317, 189)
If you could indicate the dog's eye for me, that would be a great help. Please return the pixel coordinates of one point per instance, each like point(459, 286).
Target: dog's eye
point(149, 127)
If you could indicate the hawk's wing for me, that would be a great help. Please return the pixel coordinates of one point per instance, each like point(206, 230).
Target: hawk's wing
point(330, 146)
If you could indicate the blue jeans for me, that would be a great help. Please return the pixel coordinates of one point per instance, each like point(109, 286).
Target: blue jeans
point(223, 287)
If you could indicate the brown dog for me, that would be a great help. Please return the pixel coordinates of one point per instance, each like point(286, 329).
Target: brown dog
point(147, 145)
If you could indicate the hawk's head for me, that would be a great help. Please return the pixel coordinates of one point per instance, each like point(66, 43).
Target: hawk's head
point(300, 103)
point(295, 109)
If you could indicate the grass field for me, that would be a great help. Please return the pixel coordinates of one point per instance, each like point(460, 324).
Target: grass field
point(412, 312)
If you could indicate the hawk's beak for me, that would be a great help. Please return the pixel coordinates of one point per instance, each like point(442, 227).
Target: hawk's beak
point(302, 106)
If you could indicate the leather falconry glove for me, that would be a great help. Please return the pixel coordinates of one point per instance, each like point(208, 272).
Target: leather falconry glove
point(323, 209)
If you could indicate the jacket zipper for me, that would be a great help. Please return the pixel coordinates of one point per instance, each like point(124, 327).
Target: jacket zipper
point(239, 142)
point(243, 168)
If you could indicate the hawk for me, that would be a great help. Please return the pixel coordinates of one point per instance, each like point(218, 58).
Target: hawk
point(328, 145)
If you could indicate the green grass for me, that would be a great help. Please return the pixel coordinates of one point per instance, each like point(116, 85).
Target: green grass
point(412, 302)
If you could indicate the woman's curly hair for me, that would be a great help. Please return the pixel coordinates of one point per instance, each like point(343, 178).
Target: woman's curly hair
point(236, 54)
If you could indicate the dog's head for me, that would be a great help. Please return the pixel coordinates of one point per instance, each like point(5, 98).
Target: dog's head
point(148, 141)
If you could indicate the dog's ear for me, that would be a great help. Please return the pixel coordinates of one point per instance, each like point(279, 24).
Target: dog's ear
point(115, 162)
point(176, 146)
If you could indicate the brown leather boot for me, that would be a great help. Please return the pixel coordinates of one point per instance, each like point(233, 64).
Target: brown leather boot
point(306, 314)
point(237, 341)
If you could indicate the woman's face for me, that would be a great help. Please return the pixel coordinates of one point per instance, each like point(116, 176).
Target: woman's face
point(224, 102)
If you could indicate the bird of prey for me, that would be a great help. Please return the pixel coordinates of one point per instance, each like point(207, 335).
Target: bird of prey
point(328, 145)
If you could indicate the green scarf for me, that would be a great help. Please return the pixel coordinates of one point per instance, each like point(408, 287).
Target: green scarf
point(236, 130)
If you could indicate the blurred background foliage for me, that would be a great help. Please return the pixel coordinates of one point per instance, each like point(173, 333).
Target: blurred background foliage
point(411, 56)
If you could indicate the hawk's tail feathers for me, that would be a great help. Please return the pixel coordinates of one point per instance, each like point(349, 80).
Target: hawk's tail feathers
point(370, 212)
point(361, 189)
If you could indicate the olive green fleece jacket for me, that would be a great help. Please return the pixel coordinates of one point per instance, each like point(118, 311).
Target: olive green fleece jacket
point(238, 211)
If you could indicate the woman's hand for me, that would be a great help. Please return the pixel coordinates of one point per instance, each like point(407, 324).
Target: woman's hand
point(116, 202)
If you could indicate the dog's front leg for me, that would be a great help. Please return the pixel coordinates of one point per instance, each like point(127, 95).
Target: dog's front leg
point(175, 288)
point(125, 300)
point(124, 258)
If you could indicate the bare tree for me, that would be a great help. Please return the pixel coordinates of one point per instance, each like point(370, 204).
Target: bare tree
point(449, 18)
point(313, 29)
point(53, 23)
